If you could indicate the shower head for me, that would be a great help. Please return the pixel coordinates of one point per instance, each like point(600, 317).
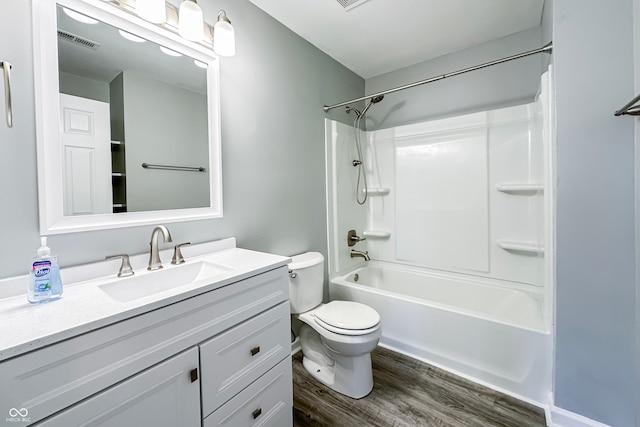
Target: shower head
point(373, 100)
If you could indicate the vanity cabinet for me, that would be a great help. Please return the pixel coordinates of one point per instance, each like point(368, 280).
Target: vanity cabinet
point(216, 351)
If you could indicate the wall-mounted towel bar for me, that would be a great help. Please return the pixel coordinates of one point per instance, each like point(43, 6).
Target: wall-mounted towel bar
point(7, 92)
point(175, 168)
point(630, 108)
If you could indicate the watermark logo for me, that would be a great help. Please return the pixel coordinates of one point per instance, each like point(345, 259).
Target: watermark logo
point(18, 416)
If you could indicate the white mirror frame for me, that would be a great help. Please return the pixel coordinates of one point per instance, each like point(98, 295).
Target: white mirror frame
point(47, 108)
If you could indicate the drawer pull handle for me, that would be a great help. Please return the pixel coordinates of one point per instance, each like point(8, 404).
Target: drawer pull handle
point(255, 350)
point(194, 375)
point(257, 413)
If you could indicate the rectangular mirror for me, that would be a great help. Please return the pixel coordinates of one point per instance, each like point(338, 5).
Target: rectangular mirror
point(128, 120)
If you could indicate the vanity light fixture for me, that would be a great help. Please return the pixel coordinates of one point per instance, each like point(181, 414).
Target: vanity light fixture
point(169, 51)
point(224, 39)
point(131, 37)
point(152, 10)
point(79, 17)
point(190, 21)
point(187, 21)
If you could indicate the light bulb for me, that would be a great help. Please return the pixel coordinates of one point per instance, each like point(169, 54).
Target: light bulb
point(79, 17)
point(152, 10)
point(200, 64)
point(224, 38)
point(169, 51)
point(190, 21)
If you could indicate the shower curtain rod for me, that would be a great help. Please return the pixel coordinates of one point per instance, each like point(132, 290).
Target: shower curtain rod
point(546, 49)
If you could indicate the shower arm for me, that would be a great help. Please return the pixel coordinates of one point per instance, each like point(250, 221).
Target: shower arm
point(548, 48)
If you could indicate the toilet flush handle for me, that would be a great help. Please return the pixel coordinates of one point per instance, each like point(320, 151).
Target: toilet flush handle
point(293, 274)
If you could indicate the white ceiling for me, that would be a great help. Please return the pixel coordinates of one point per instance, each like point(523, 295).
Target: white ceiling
point(379, 36)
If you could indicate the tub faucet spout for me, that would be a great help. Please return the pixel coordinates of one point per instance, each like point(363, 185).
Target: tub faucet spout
point(361, 254)
point(154, 256)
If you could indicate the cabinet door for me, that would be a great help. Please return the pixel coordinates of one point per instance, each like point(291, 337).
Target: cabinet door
point(167, 394)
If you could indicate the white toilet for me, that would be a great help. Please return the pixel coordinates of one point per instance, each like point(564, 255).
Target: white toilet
point(337, 338)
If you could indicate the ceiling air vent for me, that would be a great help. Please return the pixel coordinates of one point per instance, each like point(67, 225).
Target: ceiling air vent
point(350, 4)
point(70, 37)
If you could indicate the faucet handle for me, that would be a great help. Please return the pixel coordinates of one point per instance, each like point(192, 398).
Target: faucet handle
point(353, 238)
point(177, 253)
point(125, 267)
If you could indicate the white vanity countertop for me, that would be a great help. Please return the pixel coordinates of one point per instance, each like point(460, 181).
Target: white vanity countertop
point(84, 306)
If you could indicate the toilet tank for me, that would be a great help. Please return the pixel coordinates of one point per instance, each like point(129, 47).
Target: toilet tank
point(306, 281)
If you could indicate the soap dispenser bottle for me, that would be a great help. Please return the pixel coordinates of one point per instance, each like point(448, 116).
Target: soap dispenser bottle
point(44, 276)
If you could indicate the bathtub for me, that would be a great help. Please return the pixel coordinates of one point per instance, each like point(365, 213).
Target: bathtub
point(493, 335)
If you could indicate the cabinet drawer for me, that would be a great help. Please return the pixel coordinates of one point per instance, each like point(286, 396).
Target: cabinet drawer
point(48, 380)
point(266, 402)
point(246, 352)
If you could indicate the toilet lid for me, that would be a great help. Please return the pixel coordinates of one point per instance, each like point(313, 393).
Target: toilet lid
point(348, 315)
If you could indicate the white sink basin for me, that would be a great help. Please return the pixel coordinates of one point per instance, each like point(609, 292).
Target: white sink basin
point(148, 283)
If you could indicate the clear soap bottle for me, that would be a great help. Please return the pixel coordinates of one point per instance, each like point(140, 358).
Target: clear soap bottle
point(44, 276)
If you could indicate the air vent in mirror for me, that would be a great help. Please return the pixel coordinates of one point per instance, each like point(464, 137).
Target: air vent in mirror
point(70, 37)
point(350, 4)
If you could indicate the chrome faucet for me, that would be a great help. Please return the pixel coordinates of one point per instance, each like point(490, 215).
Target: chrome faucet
point(361, 254)
point(154, 256)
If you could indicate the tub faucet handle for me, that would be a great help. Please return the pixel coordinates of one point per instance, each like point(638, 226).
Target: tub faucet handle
point(353, 238)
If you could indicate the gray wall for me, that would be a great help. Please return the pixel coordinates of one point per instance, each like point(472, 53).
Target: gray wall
point(19, 205)
point(272, 135)
point(636, 17)
point(595, 289)
point(167, 125)
point(503, 85)
point(83, 87)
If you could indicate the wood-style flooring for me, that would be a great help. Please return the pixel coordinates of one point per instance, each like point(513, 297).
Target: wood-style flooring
point(407, 393)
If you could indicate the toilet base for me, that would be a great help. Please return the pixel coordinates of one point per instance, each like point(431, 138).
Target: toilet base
point(351, 376)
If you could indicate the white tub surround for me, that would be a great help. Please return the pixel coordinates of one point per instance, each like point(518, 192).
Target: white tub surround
point(459, 227)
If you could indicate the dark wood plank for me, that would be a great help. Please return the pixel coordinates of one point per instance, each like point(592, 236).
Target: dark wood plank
point(408, 393)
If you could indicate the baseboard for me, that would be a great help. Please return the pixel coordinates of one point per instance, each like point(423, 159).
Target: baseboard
point(558, 417)
point(295, 346)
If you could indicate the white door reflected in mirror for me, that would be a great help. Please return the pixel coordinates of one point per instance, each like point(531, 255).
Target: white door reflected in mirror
point(86, 158)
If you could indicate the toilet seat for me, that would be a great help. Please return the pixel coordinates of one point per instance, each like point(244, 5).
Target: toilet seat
point(347, 318)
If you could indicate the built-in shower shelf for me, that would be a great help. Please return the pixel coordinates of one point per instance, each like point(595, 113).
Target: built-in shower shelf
point(377, 234)
point(520, 246)
point(382, 191)
point(520, 188)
